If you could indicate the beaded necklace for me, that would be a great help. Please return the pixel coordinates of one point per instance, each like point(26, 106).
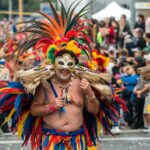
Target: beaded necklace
point(65, 91)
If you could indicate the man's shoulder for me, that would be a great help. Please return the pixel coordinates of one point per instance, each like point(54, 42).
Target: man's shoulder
point(39, 88)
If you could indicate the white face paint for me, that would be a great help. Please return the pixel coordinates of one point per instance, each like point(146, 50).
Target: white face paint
point(64, 66)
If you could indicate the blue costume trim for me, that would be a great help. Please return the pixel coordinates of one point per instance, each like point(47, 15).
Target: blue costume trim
point(61, 133)
point(61, 140)
point(62, 109)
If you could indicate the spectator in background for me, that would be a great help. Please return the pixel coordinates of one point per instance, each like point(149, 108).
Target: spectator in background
point(138, 106)
point(102, 32)
point(147, 30)
point(129, 81)
point(123, 56)
point(140, 23)
point(144, 91)
point(109, 68)
point(138, 60)
point(115, 24)
point(124, 31)
point(110, 39)
point(94, 27)
point(136, 42)
point(138, 39)
point(116, 85)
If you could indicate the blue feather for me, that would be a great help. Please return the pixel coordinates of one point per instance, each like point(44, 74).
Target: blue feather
point(62, 146)
point(56, 147)
point(73, 143)
point(46, 141)
point(5, 98)
point(28, 127)
point(81, 142)
point(17, 104)
point(15, 85)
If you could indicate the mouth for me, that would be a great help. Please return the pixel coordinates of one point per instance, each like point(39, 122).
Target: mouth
point(64, 72)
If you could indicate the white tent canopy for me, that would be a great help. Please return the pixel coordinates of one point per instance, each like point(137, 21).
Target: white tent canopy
point(112, 10)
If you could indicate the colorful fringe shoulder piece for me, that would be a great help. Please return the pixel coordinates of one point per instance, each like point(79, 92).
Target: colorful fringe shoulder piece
point(15, 104)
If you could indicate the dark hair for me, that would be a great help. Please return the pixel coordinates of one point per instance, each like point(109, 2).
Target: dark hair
point(94, 21)
point(123, 53)
point(101, 24)
point(142, 17)
point(124, 16)
point(134, 67)
point(62, 52)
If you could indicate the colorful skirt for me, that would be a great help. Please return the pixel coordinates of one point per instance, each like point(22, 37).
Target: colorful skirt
point(53, 139)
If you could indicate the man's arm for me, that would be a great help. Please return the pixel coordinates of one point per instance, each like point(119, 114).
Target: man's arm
point(91, 103)
point(38, 106)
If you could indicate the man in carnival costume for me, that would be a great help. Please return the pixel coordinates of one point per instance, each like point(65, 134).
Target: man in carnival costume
point(59, 104)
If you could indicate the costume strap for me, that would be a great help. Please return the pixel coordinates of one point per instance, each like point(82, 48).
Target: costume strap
point(62, 109)
point(53, 89)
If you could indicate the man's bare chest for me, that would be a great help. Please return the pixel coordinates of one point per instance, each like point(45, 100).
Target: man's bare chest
point(69, 96)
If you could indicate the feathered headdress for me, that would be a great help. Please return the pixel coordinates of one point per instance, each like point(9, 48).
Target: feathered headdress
point(99, 61)
point(58, 32)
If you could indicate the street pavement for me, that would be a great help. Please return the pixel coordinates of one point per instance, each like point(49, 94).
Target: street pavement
point(127, 140)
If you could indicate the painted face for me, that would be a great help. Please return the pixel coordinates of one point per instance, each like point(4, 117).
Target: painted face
point(64, 66)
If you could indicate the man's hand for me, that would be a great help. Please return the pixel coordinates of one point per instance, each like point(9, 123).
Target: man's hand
point(139, 93)
point(58, 103)
point(85, 85)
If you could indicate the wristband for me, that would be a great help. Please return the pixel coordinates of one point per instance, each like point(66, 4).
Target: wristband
point(49, 108)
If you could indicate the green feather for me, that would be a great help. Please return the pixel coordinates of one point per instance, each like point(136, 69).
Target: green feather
point(50, 54)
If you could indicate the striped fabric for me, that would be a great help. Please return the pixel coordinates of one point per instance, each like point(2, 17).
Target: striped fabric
point(53, 139)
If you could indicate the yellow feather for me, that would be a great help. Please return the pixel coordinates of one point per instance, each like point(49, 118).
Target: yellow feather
point(98, 126)
point(21, 123)
point(37, 122)
point(3, 89)
point(9, 116)
point(92, 148)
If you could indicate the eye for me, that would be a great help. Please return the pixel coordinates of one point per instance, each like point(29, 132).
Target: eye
point(70, 64)
point(61, 63)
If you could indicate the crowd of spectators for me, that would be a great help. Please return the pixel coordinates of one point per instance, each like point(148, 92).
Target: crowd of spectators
point(128, 49)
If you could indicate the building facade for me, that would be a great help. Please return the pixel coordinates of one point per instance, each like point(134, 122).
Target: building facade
point(143, 7)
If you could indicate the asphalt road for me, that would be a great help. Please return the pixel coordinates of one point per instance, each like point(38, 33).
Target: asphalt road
point(127, 140)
